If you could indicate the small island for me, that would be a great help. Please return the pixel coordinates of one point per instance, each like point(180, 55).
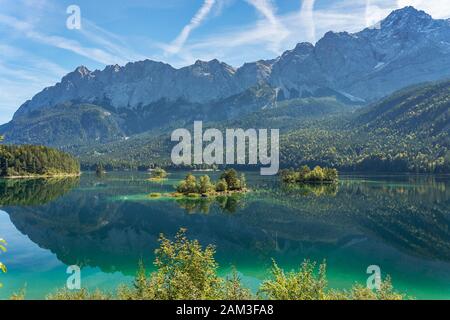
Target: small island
point(100, 170)
point(229, 183)
point(158, 175)
point(305, 175)
point(27, 161)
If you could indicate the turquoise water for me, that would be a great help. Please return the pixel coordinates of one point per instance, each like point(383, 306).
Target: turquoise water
point(106, 225)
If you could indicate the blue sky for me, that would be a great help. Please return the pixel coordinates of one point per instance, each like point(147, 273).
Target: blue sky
point(37, 48)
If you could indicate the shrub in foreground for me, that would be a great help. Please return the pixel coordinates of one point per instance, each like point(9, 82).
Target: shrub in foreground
point(187, 271)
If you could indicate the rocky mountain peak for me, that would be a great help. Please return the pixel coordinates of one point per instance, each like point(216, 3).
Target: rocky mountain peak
point(78, 74)
point(83, 71)
point(410, 46)
point(408, 17)
point(112, 68)
point(213, 64)
point(304, 47)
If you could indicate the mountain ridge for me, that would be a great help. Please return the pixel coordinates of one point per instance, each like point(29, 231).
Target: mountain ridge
point(88, 109)
point(350, 63)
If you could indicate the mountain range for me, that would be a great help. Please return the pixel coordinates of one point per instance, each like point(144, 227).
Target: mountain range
point(341, 72)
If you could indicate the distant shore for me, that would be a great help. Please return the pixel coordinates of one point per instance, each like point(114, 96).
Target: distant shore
point(177, 195)
point(37, 176)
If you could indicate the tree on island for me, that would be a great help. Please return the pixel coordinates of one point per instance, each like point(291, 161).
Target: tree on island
point(205, 185)
point(306, 175)
point(188, 185)
point(158, 174)
point(231, 178)
point(221, 186)
point(99, 170)
point(228, 181)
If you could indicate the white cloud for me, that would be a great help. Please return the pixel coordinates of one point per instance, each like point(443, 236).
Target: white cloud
point(307, 16)
point(110, 42)
point(195, 22)
point(439, 9)
point(261, 40)
point(274, 32)
point(22, 76)
point(74, 46)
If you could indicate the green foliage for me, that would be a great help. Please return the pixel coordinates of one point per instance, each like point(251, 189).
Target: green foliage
point(406, 132)
point(233, 289)
point(155, 195)
point(141, 289)
point(310, 283)
point(228, 181)
point(242, 181)
point(188, 185)
point(2, 249)
point(306, 175)
point(302, 285)
point(205, 186)
point(232, 180)
point(82, 294)
point(20, 295)
point(221, 186)
point(187, 271)
point(158, 173)
point(359, 292)
point(35, 161)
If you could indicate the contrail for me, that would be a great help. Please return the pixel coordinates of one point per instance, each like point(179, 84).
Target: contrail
point(277, 32)
point(307, 16)
point(266, 9)
point(195, 22)
point(373, 16)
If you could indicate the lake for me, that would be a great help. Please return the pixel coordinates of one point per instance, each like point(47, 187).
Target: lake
point(106, 225)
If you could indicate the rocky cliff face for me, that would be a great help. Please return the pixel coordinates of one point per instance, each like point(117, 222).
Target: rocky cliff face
point(406, 48)
point(140, 83)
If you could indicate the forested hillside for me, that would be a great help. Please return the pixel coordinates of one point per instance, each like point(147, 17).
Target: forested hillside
point(27, 160)
point(406, 132)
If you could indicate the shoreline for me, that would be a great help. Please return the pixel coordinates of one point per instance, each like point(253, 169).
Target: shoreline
point(196, 196)
point(157, 179)
point(41, 176)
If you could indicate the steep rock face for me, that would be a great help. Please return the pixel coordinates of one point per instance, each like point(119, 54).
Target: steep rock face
point(298, 73)
point(138, 84)
point(406, 48)
point(255, 73)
